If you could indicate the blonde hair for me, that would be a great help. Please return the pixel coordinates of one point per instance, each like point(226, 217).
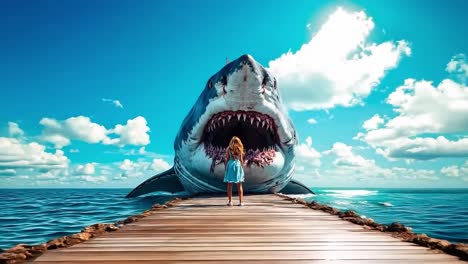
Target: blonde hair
point(236, 147)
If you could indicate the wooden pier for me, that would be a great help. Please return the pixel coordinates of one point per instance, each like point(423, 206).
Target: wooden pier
point(268, 229)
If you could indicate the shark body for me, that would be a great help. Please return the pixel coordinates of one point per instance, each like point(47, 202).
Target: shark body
point(242, 99)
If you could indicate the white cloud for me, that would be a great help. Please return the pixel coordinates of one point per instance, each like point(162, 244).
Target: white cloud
point(142, 167)
point(126, 165)
point(373, 123)
point(58, 175)
point(134, 169)
point(59, 141)
point(141, 151)
point(337, 66)
point(116, 103)
point(458, 67)
point(351, 166)
point(312, 121)
point(451, 171)
point(306, 154)
point(7, 172)
point(86, 169)
point(159, 165)
point(93, 179)
point(415, 174)
point(456, 171)
point(135, 132)
point(17, 155)
point(346, 157)
point(422, 109)
point(307, 161)
point(60, 133)
point(79, 128)
point(74, 151)
point(14, 130)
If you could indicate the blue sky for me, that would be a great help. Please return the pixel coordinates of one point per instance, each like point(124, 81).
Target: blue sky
point(93, 93)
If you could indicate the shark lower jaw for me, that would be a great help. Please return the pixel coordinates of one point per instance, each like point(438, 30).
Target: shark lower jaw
point(257, 131)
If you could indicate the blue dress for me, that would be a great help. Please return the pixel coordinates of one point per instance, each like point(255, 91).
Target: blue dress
point(234, 171)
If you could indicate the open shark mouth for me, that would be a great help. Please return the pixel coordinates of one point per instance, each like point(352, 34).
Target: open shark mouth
point(257, 131)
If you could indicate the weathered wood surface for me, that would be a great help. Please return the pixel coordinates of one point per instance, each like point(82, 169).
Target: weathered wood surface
point(268, 229)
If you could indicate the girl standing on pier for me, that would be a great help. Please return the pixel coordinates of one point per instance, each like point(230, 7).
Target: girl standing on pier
point(234, 168)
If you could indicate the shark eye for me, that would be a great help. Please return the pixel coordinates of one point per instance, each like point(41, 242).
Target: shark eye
point(224, 80)
point(265, 80)
point(224, 83)
point(209, 84)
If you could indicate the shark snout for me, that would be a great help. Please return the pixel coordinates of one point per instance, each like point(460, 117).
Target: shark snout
point(246, 84)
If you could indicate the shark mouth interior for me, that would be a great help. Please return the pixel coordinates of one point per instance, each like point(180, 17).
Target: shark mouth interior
point(257, 132)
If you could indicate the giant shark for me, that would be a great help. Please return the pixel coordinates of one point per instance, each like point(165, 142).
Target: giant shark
point(242, 99)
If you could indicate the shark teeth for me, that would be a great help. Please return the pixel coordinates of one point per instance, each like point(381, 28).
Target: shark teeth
point(223, 122)
point(255, 119)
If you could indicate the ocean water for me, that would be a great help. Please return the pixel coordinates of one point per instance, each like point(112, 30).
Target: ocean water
point(33, 216)
point(439, 213)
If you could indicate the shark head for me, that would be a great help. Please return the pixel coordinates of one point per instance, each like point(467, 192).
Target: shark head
point(242, 100)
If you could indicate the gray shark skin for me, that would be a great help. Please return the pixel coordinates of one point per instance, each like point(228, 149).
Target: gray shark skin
point(243, 100)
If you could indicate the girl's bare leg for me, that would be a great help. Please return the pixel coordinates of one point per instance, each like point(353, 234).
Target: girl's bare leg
point(229, 192)
point(240, 191)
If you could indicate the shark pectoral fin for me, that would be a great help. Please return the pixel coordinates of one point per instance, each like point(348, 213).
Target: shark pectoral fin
point(295, 187)
point(164, 182)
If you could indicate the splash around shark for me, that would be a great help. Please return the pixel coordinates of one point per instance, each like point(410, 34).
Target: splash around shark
point(243, 100)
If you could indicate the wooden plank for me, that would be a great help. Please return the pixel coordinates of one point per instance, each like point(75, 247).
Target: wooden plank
point(245, 255)
point(251, 244)
point(351, 261)
point(178, 248)
point(268, 229)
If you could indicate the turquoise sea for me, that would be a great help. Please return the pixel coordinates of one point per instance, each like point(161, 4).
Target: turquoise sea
point(439, 213)
point(34, 216)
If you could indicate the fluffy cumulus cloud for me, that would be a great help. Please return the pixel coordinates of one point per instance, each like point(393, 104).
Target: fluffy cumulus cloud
point(458, 67)
point(338, 66)
point(86, 169)
point(14, 130)
point(15, 155)
point(159, 165)
point(135, 132)
point(347, 164)
point(126, 165)
point(346, 157)
point(62, 132)
point(311, 121)
point(8, 172)
point(21, 160)
point(116, 103)
point(307, 161)
point(456, 171)
point(431, 122)
point(93, 179)
point(373, 123)
point(141, 167)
